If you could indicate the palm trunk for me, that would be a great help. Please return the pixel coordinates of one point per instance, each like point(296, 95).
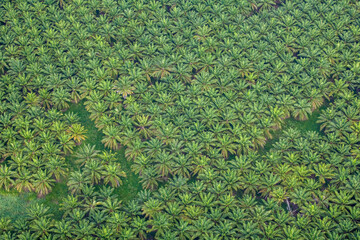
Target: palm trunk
point(288, 204)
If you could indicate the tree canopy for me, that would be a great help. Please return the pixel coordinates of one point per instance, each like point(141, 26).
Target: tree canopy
point(192, 91)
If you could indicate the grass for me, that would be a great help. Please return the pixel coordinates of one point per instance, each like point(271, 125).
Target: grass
point(303, 126)
point(131, 185)
point(13, 204)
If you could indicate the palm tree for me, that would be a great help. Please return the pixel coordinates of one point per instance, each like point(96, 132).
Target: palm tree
point(66, 142)
point(140, 226)
point(153, 146)
point(286, 102)
point(209, 115)
point(6, 176)
point(279, 194)
point(302, 109)
point(19, 162)
point(124, 86)
point(77, 181)
point(86, 153)
point(194, 149)
point(315, 97)
point(244, 144)
point(249, 230)
point(134, 149)
point(268, 184)
point(339, 126)
point(183, 72)
point(202, 226)
point(149, 178)
point(163, 67)
point(111, 205)
point(50, 149)
point(57, 167)
point(323, 171)
point(97, 110)
point(37, 211)
point(42, 183)
point(93, 169)
point(113, 65)
point(42, 227)
point(112, 173)
point(3, 64)
point(250, 183)
point(94, 97)
point(118, 220)
point(45, 98)
point(128, 136)
point(63, 229)
point(339, 87)
point(143, 124)
point(257, 137)
point(226, 145)
point(23, 181)
point(77, 132)
point(60, 98)
point(32, 99)
point(271, 231)
point(300, 196)
point(113, 101)
point(163, 163)
point(140, 164)
point(151, 207)
point(84, 229)
point(182, 166)
point(267, 125)
point(327, 116)
point(112, 137)
point(291, 232)
point(16, 66)
point(75, 85)
point(277, 115)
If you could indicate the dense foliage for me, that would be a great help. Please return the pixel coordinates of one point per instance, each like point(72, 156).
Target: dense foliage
point(192, 90)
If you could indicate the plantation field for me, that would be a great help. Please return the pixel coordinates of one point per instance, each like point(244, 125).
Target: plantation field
point(13, 205)
point(179, 119)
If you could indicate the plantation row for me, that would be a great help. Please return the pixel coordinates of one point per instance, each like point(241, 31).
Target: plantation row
point(192, 90)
